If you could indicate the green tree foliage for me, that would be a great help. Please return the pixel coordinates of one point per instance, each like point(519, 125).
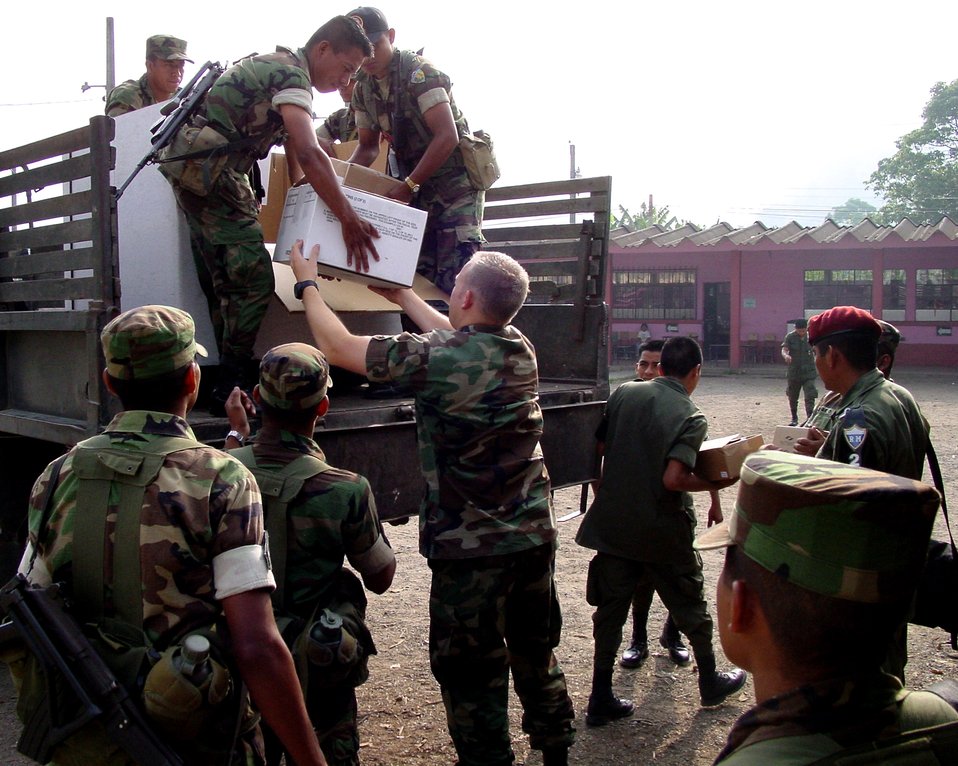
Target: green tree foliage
point(648, 215)
point(921, 179)
point(853, 211)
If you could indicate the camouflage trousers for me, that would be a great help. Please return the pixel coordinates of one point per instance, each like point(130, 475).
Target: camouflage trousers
point(612, 583)
point(232, 264)
point(489, 615)
point(333, 713)
point(451, 237)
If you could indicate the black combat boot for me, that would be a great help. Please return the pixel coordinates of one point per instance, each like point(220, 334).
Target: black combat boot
point(671, 639)
point(604, 706)
point(715, 687)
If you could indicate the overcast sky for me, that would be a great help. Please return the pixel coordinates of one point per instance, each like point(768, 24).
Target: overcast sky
point(735, 111)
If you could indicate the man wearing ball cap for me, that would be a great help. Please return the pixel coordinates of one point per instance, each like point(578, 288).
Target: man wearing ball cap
point(818, 550)
point(332, 517)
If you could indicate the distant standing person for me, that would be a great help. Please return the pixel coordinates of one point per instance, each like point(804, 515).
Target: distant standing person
point(402, 95)
point(801, 375)
point(642, 521)
point(164, 73)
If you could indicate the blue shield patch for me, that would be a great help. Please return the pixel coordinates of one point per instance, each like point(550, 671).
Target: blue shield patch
point(855, 436)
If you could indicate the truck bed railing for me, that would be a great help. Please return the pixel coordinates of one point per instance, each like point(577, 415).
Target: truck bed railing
point(58, 272)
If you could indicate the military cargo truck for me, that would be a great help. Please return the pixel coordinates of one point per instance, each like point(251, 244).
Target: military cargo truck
point(71, 258)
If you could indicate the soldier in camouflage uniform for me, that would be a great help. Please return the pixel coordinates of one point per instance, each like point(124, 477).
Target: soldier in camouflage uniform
point(426, 145)
point(202, 547)
point(332, 517)
point(258, 102)
point(837, 551)
point(486, 522)
point(340, 125)
point(641, 523)
point(801, 370)
point(164, 73)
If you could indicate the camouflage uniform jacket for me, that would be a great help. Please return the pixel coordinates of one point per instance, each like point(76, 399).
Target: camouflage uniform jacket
point(634, 516)
point(203, 505)
point(244, 102)
point(424, 87)
point(339, 126)
point(479, 423)
point(878, 425)
point(129, 96)
point(802, 366)
point(815, 721)
point(333, 516)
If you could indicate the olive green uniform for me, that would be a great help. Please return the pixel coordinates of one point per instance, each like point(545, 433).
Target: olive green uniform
point(129, 96)
point(638, 527)
point(801, 373)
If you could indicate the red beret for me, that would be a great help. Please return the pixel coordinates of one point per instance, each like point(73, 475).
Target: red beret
point(842, 319)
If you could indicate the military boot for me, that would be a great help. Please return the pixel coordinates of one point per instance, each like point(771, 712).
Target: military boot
point(671, 639)
point(604, 706)
point(715, 687)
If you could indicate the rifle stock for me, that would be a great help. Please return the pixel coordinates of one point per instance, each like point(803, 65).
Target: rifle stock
point(175, 113)
point(79, 685)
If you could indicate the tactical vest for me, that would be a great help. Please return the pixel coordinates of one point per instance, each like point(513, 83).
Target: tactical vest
point(119, 637)
point(279, 486)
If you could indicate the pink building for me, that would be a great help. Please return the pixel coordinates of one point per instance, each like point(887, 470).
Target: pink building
point(738, 290)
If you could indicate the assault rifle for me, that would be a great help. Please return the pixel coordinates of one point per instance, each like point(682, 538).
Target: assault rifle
point(175, 113)
point(79, 685)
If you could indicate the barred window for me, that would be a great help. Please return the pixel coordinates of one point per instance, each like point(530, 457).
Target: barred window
point(825, 288)
point(666, 294)
point(936, 294)
point(893, 294)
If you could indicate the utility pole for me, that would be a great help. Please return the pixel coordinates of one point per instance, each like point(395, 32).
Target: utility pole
point(110, 62)
point(573, 173)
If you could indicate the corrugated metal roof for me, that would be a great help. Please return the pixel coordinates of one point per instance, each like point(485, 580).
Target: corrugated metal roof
point(759, 234)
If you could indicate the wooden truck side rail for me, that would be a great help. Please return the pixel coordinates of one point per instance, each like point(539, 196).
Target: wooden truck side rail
point(58, 282)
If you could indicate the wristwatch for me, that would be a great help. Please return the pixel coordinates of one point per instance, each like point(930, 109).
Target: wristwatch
point(238, 436)
point(300, 286)
point(413, 186)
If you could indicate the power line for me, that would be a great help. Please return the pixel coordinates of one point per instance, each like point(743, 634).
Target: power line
point(54, 103)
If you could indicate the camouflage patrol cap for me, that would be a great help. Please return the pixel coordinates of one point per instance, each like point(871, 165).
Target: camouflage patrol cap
point(148, 341)
point(167, 48)
point(372, 20)
point(890, 335)
point(835, 529)
point(293, 376)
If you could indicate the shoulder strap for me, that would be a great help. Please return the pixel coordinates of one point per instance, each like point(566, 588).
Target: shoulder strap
point(106, 473)
point(933, 745)
point(278, 487)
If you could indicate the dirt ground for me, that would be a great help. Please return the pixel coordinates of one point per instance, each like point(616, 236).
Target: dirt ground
point(402, 715)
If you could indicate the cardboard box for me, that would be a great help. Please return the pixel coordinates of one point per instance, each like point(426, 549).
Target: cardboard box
point(401, 229)
point(277, 185)
point(722, 458)
point(786, 436)
point(345, 149)
point(365, 179)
